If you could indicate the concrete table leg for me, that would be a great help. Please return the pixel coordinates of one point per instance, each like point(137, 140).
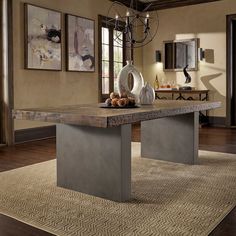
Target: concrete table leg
point(95, 161)
point(172, 139)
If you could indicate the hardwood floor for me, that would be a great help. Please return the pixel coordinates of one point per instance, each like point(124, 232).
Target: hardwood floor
point(27, 154)
point(218, 139)
point(212, 139)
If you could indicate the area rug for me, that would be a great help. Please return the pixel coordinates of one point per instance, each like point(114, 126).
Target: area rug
point(167, 199)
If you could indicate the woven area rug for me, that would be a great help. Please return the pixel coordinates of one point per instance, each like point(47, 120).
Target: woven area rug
point(167, 199)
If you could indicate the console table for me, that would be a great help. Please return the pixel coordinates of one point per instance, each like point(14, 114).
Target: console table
point(183, 94)
point(94, 144)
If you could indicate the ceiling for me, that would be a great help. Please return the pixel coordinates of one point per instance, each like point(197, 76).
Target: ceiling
point(162, 4)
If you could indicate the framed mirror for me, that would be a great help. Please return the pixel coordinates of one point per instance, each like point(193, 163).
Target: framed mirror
point(179, 53)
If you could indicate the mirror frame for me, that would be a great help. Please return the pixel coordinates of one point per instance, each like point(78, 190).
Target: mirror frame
point(196, 40)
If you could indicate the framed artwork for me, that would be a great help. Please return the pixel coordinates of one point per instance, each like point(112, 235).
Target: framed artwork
point(42, 38)
point(80, 44)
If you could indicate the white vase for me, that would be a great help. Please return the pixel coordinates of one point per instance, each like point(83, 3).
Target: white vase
point(147, 95)
point(123, 86)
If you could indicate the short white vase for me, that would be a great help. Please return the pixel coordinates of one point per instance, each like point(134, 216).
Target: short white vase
point(138, 81)
point(147, 95)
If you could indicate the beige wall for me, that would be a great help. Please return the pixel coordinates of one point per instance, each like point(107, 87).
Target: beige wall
point(35, 88)
point(206, 22)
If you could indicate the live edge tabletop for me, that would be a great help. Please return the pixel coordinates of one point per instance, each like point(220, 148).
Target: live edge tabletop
point(93, 115)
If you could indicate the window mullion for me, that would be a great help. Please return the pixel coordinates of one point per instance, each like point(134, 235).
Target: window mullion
point(111, 64)
point(124, 50)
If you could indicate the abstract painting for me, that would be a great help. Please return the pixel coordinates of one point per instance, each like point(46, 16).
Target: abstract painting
point(80, 44)
point(42, 38)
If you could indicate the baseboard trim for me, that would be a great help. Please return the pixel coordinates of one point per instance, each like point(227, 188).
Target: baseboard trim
point(32, 134)
point(217, 121)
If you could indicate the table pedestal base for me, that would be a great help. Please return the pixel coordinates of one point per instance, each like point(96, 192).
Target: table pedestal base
point(172, 139)
point(95, 161)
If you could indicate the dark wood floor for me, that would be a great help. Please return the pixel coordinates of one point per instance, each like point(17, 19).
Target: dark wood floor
point(212, 139)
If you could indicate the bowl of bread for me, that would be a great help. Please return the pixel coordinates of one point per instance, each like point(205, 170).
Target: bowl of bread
point(117, 100)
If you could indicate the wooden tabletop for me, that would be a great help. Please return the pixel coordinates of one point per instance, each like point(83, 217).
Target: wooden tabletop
point(93, 115)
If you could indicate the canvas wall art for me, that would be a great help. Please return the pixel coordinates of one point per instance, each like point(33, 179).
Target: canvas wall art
point(42, 38)
point(80, 44)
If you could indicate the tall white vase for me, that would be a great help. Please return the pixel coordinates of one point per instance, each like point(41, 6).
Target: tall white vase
point(123, 76)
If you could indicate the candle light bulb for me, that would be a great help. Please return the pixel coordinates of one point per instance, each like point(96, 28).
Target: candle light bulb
point(147, 23)
point(116, 22)
point(127, 19)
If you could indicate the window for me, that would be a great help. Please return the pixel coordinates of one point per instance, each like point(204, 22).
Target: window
point(105, 60)
point(112, 57)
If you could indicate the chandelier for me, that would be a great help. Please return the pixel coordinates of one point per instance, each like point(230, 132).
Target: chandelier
point(135, 28)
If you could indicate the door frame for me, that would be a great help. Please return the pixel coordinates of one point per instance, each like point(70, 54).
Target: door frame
point(229, 69)
point(1, 77)
point(7, 104)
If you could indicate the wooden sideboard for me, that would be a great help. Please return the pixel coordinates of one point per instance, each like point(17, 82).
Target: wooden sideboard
point(198, 95)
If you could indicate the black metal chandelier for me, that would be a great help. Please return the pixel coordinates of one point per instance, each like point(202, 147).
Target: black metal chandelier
point(135, 27)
